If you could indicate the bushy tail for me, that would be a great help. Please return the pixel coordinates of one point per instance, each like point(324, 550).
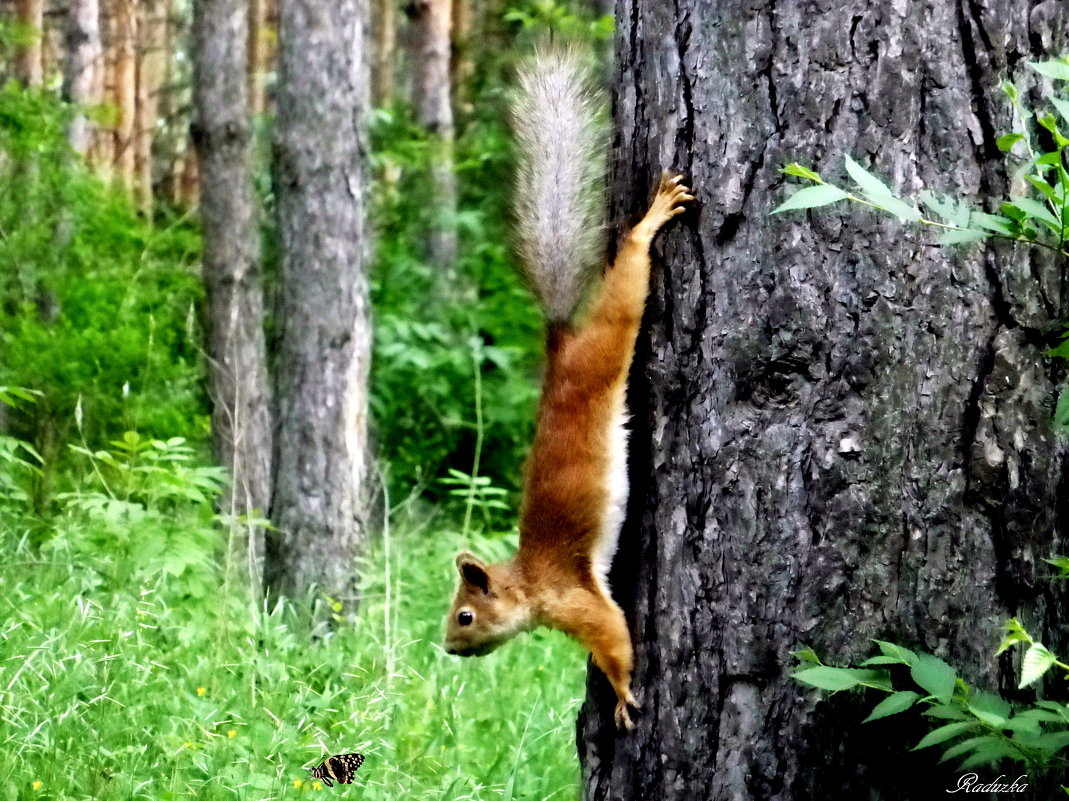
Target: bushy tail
point(560, 194)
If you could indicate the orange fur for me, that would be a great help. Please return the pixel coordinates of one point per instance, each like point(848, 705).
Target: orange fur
point(553, 580)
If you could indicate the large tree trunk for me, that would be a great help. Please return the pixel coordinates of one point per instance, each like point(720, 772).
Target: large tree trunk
point(83, 68)
point(843, 432)
point(431, 96)
point(241, 422)
point(321, 158)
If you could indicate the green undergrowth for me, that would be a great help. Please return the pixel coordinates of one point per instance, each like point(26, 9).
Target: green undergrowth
point(141, 671)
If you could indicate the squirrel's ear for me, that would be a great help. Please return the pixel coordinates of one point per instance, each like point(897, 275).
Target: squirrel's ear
point(473, 571)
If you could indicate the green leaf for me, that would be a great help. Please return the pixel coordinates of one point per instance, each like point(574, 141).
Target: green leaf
point(1042, 715)
point(807, 655)
point(1062, 106)
point(1041, 186)
point(1010, 90)
point(835, 679)
point(1059, 70)
point(935, 676)
point(799, 171)
point(878, 193)
point(1015, 634)
point(1053, 159)
point(991, 705)
point(1037, 661)
point(1037, 210)
point(810, 197)
point(1060, 562)
point(993, 222)
point(947, 712)
point(952, 210)
point(944, 733)
point(990, 753)
point(957, 237)
point(882, 660)
point(1048, 122)
point(892, 705)
point(902, 655)
point(1007, 141)
point(965, 746)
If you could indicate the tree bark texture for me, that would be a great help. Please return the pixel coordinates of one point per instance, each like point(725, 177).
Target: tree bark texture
point(240, 385)
point(321, 155)
point(843, 431)
point(83, 68)
point(29, 63)
point(432, 98)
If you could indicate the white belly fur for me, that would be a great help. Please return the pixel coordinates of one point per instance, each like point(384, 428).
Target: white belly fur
point(617, 493)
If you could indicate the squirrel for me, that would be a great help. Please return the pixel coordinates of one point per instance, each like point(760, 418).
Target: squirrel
point(576, 485)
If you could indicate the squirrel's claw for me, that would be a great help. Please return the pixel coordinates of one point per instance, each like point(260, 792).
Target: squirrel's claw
point(621, 715)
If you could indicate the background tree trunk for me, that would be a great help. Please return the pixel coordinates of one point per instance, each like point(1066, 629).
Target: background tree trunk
point(124, 36)
point(324, 347)
point(150, 71)
point(843, 432)
point(241, 424)
point(82, 77)
point(29, 65)
point(384, 50)
point(431, 96)
point(257, 56)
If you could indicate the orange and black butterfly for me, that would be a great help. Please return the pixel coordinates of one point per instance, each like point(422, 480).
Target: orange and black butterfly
point(341, 769)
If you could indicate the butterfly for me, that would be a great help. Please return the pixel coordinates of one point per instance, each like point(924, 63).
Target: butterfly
point(341, 768)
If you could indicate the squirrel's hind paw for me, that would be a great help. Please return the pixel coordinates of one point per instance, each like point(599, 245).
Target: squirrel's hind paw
point(621, 715)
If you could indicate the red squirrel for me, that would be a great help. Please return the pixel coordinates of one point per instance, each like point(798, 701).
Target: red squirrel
point(575, 487)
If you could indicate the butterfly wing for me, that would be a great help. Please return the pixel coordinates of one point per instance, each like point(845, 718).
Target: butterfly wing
point(340, 768)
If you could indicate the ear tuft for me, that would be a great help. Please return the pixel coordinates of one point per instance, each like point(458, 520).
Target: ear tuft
point(473, 571)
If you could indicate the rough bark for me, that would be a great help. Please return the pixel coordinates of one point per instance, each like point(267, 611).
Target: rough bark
point(82, 78)
point(842, 431)
point(29, 66)
point(321, 157)
point(431, 96)
point(240, 386)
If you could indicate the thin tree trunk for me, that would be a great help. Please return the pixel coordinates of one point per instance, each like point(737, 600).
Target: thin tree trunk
point(384, 50)
point(124, 30)
point(842, 431)
point(82, 78)
point(321, 155)
point(150, 72)
point(257, 55)
point(241, 424)
point(461, 66)
point(29, 66)
point(432, 23)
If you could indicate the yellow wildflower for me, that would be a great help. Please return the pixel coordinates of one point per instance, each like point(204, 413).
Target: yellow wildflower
point(317, 786)
point(298, 784)
point(201, 690)
point(231, 733)
point(36, 785)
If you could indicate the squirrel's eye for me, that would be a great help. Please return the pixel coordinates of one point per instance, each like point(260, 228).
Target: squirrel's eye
point(465, 618)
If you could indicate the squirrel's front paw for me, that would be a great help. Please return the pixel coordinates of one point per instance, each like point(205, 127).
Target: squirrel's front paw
point(623, 718)
point(669, 201)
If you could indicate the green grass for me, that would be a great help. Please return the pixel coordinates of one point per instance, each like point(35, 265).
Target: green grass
point(130, 672)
